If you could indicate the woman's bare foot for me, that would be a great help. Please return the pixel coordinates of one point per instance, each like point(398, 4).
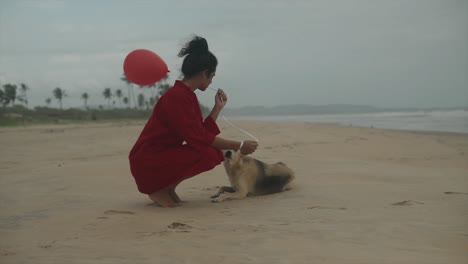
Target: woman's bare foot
point(163, 198)
point(174, 195)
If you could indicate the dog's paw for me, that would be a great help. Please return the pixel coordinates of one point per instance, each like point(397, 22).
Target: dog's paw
point(215, 195)
point(217, 199)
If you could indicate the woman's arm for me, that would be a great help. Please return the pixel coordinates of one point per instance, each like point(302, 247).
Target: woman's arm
point(246, 147)
point(221, 143)
point(215, 112)
point(220, 102)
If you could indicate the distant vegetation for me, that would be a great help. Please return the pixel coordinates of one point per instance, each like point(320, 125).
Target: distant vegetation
point(125, 105)
point(14, 109)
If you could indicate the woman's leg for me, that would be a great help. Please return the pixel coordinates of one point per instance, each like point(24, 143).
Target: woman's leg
point(209, 154)
point(173, 193)
point(210, 157)
point(163, 198)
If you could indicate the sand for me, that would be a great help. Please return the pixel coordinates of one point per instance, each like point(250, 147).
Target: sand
point(363, 195)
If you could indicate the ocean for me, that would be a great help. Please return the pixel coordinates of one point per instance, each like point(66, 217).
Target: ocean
point(438, 121)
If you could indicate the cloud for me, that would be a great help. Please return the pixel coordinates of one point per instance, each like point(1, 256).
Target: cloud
point(91, 58)
point(270, 52)
point(66, 58)
point(3, 79)
point(48, 5)
point(64, 28)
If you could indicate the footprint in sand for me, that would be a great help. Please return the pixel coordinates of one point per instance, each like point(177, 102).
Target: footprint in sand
point(179, 227)
point(321, 142)
point(456, 193)
point(227, 212)
point(148, 234)
point(111, 212)
point(354, 138)
point(327, 207)
point(406, 203)
point(289, 146)
point(174, 227)
point(7, 253)
point(47, 245)
point(53, 131)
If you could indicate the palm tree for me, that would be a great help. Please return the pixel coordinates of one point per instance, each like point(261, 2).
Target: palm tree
point(151, 86)
point(141, 100)
point(153, 100)
point(163, 86)
point(85, 97)
point(148, 87)
point(24, 98)
point(130, 90)
point(10, 92)
point(118, 94)
point(59, 94)
point(125, 101)
point(3, 99)
point(47, 101)
point(107, 95)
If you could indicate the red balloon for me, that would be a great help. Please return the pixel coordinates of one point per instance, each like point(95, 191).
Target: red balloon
point(144, 67)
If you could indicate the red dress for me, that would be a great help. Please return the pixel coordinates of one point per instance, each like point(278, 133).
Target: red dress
point(175, 143)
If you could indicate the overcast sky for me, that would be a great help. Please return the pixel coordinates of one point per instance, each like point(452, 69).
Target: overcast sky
point(387, 53)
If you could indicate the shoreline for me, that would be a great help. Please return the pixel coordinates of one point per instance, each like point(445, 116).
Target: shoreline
point(344, 125)
point(126, 122)
point(337, 125)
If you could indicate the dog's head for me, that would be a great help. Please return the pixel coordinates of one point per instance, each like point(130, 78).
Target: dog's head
point(233, 158)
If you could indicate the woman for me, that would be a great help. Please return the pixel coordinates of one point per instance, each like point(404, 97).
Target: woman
point(176, 143)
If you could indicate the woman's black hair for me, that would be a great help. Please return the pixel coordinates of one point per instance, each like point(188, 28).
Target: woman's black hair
point(198, 58)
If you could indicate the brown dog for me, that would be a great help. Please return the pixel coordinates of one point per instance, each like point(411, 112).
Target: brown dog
point(251, 176)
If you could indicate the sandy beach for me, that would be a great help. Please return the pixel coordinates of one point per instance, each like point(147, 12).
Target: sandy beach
point(363, 196)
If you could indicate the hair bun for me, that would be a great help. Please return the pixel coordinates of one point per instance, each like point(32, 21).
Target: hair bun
point(197, 45)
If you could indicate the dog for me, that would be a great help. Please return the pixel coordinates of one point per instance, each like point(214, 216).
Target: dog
point(251, 176)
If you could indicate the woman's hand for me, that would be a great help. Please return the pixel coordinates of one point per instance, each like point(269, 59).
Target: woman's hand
point(248, 147)
point(220, 99)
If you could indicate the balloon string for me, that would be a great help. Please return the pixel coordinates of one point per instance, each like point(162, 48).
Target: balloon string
point(225, 119)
